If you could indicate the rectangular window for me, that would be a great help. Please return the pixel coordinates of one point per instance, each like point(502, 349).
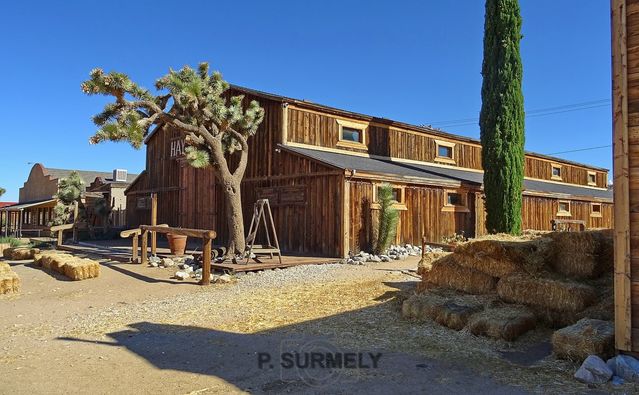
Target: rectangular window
point(444, 152)
point(351, 134)
point(397, 194)
point(595, 210)
point(556, 172)
point(564, 208)
point(592, 178)
point(398, 197)
point(455, 201)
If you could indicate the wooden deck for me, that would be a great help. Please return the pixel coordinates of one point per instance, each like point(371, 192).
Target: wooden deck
point(122, 253)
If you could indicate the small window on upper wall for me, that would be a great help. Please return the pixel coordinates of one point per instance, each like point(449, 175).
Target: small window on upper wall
point(455, 201)
point(595, 210)
point(592, 178)
point(444, 151)
point(556, 172)
point(351, 134)
point(564, 209)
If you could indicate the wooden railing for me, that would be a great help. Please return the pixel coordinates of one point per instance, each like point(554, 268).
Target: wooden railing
point(143, 232)
point(60, 229)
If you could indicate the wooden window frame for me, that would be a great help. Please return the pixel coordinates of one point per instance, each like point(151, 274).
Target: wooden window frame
point(401, 205)
point(554, 166)
point(353, 125)
point(463, 208)
point(562, 213)
point(593, 174)
point(445, 159)
point(594, 213)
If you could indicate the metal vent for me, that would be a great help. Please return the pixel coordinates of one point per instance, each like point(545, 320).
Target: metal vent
point(119, 175)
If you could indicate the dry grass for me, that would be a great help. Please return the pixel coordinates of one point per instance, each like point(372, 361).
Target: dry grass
point(20, 253)
point(426, 262)
point(447, 272)
point(500, 258)
point(73, 267)
point(581, 255)
point(503, 322)
point(9, 281)
point(546, 293)
point(586, 337)
point(450, 312)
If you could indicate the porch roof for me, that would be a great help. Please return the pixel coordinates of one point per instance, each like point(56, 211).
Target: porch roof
point(33, 204)
point(406, 171)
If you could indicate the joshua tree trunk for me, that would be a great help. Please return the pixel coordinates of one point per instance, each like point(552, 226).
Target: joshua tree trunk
point(234, 217)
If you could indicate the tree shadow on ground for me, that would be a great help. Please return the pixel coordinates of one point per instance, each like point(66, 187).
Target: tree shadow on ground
point(259, 362)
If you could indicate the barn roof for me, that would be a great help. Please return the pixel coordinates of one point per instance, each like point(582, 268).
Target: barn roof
point(424, 172)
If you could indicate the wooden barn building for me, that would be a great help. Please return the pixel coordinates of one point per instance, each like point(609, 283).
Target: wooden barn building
point(320, 168)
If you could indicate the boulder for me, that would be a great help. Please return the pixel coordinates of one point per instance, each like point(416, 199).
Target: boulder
point(223, 279)
point(181, 275)
point(627, 368)
point(168, 262)
point(593, 371)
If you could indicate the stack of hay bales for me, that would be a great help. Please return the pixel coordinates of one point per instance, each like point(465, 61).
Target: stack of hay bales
point(20, 253)
point(9, 280)
point(73, 267)
point(555, 279)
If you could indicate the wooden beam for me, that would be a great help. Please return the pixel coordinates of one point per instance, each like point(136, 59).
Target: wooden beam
point(622, 252)
point(145, 245)
point(346, 220)
point(206, 261)
point(134, 248)
point(199, 233)
point(131, 232)
point(284, 124)
point(154, 222)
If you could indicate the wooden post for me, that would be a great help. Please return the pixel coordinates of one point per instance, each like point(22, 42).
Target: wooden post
point(154, 221)
point(134, 249)
point(346, 220)
point(75, 220)
point(145, 245)
point(60, 233)
point(622, 182)
point(206, 261)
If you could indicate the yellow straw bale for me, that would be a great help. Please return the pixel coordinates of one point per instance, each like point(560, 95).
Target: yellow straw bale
point(581, 255)
point(9, 282)
point(503, 322)
point(586, 337)
point(20, 253)
point(426, 262)
point(447, 273)
point(546, 293)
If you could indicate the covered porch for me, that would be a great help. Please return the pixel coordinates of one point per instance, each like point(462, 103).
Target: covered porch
point(27, 219)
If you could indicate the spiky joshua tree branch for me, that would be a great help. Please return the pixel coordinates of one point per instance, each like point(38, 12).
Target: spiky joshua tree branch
point(193, 102)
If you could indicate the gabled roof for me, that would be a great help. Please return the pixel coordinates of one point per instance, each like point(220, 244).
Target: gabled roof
point(406, 172)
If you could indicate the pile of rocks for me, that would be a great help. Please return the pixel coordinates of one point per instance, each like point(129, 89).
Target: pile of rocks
point(188, 267)
point(395, 252)
point(620, 369)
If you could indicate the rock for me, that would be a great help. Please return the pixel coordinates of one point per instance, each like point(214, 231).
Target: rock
point(403, 256)
point(168, 262)
point(188, 269)
point(223, 279)
point(627, 368)
point(612, 364)
point(359, 258)
point(153, 263)
point(180, 275)
point(155, 258)
point(350, 261)
point(374, 258)
point(593, 371)
point(385, 258)
point(617, 381)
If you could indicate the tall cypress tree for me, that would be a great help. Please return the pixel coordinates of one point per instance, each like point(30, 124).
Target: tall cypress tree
point(502, 117)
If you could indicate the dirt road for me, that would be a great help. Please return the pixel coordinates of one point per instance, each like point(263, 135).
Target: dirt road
point(134, 330)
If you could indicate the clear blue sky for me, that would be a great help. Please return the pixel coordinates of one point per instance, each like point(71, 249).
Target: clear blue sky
point(412, 61)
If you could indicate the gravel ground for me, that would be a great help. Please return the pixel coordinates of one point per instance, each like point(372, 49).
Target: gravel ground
point(146, 333)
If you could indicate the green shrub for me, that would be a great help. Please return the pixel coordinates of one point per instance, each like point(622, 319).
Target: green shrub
point(386, 226)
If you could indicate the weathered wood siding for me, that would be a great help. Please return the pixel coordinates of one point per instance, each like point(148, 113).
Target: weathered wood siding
point(322, 130)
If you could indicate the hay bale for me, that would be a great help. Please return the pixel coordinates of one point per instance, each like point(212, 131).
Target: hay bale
point(499, 258)
point(503, 322)
point(426, 262)
point(451, 312)
point(586, 337)
point(447, 273)
point(546, 293)
point(20, 253)
point(9, 280)
point(581, 255)
point(81, 269)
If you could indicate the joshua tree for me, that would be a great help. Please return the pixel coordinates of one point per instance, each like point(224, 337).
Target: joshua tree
point(387, 220)
point(193, 102)
point(502, 117)
point(2, 191)
point(69, 193)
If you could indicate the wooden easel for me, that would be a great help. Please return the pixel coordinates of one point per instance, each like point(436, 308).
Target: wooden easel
point(259, 216)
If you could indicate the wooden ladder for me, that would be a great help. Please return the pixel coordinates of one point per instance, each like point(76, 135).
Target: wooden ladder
point(259, 216)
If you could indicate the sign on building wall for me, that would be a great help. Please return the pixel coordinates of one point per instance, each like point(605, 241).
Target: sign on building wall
point(177, 147)
point(294, 195)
